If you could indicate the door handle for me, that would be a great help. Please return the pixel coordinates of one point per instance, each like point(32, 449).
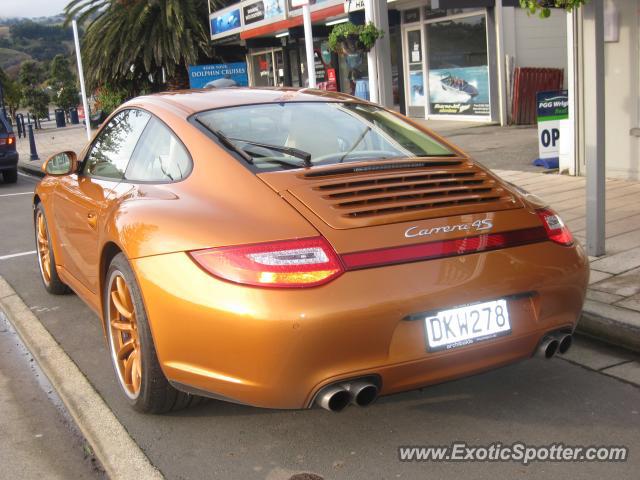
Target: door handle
point(92, 219)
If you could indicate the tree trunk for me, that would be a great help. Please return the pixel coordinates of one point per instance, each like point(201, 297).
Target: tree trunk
point(179, 80)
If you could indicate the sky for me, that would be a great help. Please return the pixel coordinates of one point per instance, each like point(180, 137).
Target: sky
point(31, 8)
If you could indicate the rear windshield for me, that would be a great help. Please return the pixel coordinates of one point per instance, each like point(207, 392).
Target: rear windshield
point(292, 135)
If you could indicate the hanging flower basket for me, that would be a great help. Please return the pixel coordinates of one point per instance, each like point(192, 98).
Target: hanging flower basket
point(347, 38)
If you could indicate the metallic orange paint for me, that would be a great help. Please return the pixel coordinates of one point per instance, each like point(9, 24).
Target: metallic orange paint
point(273, 347)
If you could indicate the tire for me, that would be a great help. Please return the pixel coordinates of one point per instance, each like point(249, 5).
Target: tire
point(10, 176)
point(46, 258)
point(143, 384)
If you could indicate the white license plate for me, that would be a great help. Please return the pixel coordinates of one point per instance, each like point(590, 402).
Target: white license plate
point(468, 324)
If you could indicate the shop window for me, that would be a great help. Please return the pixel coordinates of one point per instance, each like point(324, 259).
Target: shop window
point(458, 68)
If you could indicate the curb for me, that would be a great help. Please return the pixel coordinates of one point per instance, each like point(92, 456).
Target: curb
point(118, 453)
point(31, 170)
point(611, 324)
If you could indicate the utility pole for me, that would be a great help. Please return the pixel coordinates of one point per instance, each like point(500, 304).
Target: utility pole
point(594, 137)
point(85, 104)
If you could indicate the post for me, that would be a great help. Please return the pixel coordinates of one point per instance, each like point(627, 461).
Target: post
point(85, 104)
point(594, 138)
point(32, 145)
point(500, 64)
point(372, 63)
point(308, 43)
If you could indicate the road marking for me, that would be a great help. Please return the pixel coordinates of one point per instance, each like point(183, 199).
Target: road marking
point(30, 177)
point(14, 194)
point(13, 255)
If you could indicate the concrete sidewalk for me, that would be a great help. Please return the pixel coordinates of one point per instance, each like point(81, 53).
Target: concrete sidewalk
point(612, 311)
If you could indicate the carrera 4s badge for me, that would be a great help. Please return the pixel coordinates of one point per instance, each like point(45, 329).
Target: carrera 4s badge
point(476, 226)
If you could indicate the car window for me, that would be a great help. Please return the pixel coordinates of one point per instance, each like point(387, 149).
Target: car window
point(112, 149)
point(159, 156)
point(328, 132)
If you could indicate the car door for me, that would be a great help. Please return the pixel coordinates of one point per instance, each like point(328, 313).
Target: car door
point(82, 199)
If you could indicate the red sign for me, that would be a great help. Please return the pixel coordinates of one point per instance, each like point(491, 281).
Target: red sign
point(331, 74)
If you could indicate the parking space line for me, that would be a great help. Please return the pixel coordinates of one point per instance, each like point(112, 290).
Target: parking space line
point(30, 177)
point(21, 254)
point(14, 194)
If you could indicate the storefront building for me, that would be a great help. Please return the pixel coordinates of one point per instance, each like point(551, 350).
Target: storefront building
point(444, 54)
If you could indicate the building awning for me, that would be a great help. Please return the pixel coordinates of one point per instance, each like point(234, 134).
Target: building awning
point(475, 3)
point(293, 21)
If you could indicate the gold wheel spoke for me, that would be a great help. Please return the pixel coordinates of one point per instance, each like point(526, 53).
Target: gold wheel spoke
point(136, 372)
point(47, 266)
point(123, 293)
point(122, 326)
point(126, 349)
point(122, 310)
point(128, 368)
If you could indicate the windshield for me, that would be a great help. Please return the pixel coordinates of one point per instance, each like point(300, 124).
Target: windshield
point(277, 136)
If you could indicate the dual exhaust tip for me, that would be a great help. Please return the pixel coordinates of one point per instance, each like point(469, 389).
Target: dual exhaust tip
point(555, 343)
point(336, 397)
point(363, 393)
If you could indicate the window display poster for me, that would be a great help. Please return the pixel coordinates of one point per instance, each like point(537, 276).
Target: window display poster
point(416, 87)
point(218, 75)
point(460, 91)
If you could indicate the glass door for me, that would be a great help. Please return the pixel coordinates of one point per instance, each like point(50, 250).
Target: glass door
point(262, 69)
point(415, 73)
point(278, 64)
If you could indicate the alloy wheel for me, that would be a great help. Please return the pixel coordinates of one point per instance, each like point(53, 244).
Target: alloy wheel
point(44, 257)
point(123, 335)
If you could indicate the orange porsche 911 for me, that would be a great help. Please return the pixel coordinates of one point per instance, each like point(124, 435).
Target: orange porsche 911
point(286, 248)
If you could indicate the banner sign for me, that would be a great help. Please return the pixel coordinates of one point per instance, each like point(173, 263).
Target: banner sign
point(353, 5)
point(262, 10)
point(553, 114)
point(219, 75)
point(225, 23)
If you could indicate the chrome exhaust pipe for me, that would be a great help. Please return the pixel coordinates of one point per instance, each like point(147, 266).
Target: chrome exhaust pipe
point(334, 398)
point(363, 394)
point(565, 340)
point(548, 347)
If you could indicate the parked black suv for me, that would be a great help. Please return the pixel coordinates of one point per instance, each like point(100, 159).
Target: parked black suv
point(8, 153)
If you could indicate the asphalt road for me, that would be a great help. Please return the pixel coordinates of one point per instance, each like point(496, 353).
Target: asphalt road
point(538, 402)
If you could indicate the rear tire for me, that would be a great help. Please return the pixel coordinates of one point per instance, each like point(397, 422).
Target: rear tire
point(46, 258)
point(10, 176)
point(131, 346)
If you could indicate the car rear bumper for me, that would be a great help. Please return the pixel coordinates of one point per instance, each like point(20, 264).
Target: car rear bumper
point(278, 347)
point(8, 160)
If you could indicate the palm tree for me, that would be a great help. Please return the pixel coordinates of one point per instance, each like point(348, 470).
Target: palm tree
point(127, 43)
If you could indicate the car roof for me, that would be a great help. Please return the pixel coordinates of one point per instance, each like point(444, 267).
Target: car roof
point(192, 101)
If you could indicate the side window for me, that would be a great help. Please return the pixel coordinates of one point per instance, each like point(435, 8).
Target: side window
point(159, 156)
point(112, 149)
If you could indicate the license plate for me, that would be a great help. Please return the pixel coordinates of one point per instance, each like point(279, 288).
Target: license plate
point(466, 325)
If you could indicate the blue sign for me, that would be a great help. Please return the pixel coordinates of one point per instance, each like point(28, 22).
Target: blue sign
point(219, 75)
point(226, 22)
point(552, 105)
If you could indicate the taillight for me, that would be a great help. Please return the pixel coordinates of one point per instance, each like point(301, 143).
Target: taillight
point(557, 231)
point(306, 262)
point(11, 139)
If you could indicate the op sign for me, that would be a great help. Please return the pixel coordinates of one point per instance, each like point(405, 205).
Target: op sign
point(553, 113)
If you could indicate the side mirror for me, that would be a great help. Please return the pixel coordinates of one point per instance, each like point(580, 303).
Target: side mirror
point(62, 163)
